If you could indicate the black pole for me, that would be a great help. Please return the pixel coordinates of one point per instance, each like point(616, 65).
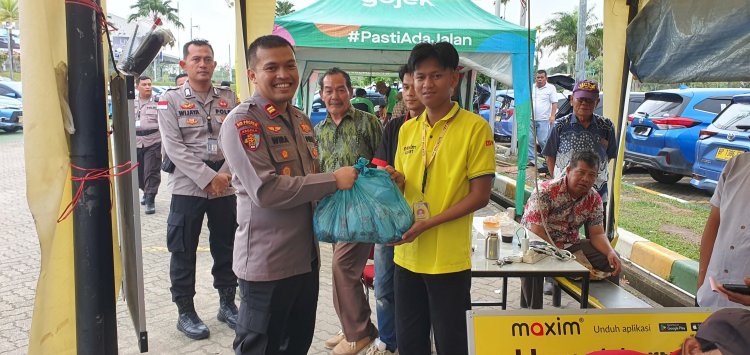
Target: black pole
point(96, 322)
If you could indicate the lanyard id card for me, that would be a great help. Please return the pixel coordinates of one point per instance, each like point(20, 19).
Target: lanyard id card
point(213, 146)
point(421, 211)
point(138, 123)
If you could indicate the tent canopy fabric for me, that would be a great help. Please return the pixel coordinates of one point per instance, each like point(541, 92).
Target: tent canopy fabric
point(690, 40)
point(325, 32)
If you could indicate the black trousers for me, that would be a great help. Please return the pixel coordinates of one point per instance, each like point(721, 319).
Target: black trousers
point(149, 168)
point(439, 301)
point(532, 287)
point(277, 317)
point(183, 232)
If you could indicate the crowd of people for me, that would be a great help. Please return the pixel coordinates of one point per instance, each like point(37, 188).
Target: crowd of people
point(253, 167)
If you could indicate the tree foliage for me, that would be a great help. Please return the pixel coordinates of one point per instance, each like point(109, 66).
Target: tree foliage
point(152, 9)
point(284, 8)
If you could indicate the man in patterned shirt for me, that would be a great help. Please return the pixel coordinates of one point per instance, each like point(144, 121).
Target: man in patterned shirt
point(345, 135)
point(557, 210)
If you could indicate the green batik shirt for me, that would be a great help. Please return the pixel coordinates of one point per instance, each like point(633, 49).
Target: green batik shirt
point(357, 135)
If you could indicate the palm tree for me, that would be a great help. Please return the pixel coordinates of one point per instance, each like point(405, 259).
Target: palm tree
point(505, 6)
point(9, 14)
point(563, 29)
point(153, 9)
point(284, 8)
point(595, 42)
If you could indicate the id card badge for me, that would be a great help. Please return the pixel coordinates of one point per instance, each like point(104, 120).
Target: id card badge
point(213, 146)
point(137, 123)
point(421, 211)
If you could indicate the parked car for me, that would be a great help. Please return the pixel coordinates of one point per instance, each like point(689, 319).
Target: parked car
point(662, 133)
point(726, 137)
point(504, 111)
point(11, 89)
point(11, 114)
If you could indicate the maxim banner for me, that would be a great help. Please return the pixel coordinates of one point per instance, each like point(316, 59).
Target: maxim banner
point(578, 332)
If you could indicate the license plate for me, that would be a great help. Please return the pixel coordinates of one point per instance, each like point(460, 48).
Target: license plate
point(20, 119)
point(642, 130)
point(726, 154)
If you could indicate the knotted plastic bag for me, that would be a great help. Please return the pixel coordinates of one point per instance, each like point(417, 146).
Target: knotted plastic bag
point(373, 211)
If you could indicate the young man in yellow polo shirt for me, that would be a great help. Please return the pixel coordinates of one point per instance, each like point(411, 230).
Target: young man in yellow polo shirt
point(444, 165)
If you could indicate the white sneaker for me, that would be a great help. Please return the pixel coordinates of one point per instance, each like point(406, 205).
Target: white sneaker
point(378, 348)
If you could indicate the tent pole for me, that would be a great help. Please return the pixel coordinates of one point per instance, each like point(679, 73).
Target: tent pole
point(96, 322)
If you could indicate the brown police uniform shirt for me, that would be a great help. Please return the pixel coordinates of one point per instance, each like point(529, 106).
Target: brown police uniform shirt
point(274, 160)
point(183, 124)
point(146, 120)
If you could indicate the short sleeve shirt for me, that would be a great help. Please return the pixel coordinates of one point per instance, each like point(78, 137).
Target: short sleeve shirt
point(567, 136)
point(391, 99)
point(544, 97)
point(357, 135)
point(466, 152)
point(730, 261)
point(563, 214)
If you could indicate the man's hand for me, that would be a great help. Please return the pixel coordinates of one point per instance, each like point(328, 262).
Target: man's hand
point(345, 177)
point(219, 184)
point(416, 229)
point(734, 296)
point(396, 176)
point(614, 261)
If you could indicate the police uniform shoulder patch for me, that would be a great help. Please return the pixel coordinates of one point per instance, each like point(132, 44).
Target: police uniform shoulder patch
point(249, 131)
point(271, 110)
point(162, 105)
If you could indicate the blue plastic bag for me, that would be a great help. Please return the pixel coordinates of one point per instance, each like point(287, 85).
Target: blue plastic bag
point(373, 211)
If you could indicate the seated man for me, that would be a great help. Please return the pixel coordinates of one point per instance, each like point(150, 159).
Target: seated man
point(557, 210)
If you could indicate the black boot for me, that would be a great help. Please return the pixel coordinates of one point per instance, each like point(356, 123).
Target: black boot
point(188, 321)
point(150, 205)
point(227, 310)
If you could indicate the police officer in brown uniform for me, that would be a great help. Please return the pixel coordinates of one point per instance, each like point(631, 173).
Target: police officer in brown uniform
point(190, 118)
point(148, 143)
point(271, 149)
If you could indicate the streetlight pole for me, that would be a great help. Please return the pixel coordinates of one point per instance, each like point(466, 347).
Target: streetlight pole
point(191, 27)
point(9, 27)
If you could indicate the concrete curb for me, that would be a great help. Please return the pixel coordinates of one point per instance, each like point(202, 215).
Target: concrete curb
point(672, 267)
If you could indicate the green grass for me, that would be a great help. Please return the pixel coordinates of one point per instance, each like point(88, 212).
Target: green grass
point(660, 220)
point(10, 137)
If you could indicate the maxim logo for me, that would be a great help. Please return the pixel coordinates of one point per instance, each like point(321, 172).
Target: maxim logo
point(546, 329)
point(397, 4)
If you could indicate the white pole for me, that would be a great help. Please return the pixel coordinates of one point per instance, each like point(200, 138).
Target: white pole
point(230, 62)
point(581, 41)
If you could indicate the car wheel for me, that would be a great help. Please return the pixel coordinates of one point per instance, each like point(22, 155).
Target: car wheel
point(664, 177)
point(11, 130)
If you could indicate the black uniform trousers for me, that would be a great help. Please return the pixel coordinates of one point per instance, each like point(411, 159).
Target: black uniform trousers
point(277, 317)
point(149, 168)
point(183, 232)
point(439, 301)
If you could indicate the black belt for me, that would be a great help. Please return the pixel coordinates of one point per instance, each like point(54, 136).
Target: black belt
point(215, 165)
point(146, 132)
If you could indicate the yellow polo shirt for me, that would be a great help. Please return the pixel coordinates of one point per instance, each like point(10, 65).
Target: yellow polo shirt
point(467, 151)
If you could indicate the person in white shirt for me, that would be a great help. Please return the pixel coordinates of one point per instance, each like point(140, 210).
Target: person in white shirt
point(725, 245)
point(545, 107)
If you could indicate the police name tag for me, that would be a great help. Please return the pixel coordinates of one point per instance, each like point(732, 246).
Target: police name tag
point(213, 146)
point(421, 211)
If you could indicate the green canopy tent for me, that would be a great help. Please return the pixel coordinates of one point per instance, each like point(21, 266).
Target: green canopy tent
point(377, 35)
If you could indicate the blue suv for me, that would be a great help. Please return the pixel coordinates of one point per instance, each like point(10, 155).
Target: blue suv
point(662, 133)
point(726, 137)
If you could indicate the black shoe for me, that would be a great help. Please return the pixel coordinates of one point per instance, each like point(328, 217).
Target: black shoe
point(193, 327)
point(188, 321)
point(227, 309)
point(543, 170)
point(150, 204)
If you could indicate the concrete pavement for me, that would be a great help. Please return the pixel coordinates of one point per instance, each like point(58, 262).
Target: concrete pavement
point(19, 270)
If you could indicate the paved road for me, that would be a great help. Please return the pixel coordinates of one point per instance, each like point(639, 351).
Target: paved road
point(682, 189)
point(19, 269)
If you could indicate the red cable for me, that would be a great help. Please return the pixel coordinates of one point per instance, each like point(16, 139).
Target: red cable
point(93, 174)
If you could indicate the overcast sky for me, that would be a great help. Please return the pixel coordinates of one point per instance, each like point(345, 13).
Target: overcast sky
point(215, 22)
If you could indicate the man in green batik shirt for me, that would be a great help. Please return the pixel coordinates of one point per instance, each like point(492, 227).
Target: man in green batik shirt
point(345, 135)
